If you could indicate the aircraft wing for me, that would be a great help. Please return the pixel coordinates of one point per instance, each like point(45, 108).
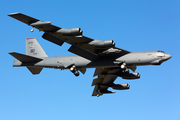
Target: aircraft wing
point(83, 46)
point(104, 81)
point(43, 26)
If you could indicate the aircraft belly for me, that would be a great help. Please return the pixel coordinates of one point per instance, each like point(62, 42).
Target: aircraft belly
point(136, 58)
point(101, 64)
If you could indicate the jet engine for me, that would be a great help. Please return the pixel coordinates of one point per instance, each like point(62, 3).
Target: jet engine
point(99, 43)
point(70, 32)
point(133, 75)
point(122, 86)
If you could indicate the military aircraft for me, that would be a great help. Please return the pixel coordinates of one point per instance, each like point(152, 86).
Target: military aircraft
point(110, 61)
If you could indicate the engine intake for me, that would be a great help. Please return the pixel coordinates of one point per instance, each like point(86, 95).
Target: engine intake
point(70, 32)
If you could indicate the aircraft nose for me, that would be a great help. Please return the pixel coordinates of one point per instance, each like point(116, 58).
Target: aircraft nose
point(168, 56)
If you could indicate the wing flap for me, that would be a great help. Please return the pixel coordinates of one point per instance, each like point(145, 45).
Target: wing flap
point(53, 38)
point(83, 53)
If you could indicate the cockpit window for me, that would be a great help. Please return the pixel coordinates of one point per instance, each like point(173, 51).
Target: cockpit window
point(160, 51)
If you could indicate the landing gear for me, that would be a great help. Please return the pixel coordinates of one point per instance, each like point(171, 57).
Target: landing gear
point(124, 68)
point(126, 71)
point(74, 70)
point(98, 91)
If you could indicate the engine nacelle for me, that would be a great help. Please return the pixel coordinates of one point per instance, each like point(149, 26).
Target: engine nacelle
point(70, 32)
point(99, 43)
point(122, 86)
point(133, 75)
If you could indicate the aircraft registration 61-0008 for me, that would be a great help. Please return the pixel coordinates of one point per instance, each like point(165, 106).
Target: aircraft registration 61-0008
point(110, 61)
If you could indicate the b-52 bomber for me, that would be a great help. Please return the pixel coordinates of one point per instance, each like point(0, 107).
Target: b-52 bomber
point(110, 61)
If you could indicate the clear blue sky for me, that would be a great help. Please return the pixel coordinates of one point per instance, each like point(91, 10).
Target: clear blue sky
point(135, 25)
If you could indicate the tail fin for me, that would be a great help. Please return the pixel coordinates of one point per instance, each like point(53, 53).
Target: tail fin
point(27, 59)
point(34, 53)
point(34, 49)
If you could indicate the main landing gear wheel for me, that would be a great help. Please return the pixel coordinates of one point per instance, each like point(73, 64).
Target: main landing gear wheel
point(124, 68)
point(74, 70)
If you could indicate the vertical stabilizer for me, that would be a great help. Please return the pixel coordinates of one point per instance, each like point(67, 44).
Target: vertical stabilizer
point(34, 49)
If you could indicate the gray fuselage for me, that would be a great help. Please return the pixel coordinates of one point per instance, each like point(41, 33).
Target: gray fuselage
point(133, 58)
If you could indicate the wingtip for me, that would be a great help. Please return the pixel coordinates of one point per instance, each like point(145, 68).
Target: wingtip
point(11, 14)
point(11, 53)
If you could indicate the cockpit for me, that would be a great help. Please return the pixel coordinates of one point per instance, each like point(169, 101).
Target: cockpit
point(160, 51)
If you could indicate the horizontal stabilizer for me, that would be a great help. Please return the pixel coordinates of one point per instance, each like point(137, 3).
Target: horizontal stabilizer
point(25, 58)
point(83, 53)
point(35, 70)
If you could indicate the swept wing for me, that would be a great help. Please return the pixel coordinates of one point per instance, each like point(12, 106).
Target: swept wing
point(105, 79)
point(83, 46)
